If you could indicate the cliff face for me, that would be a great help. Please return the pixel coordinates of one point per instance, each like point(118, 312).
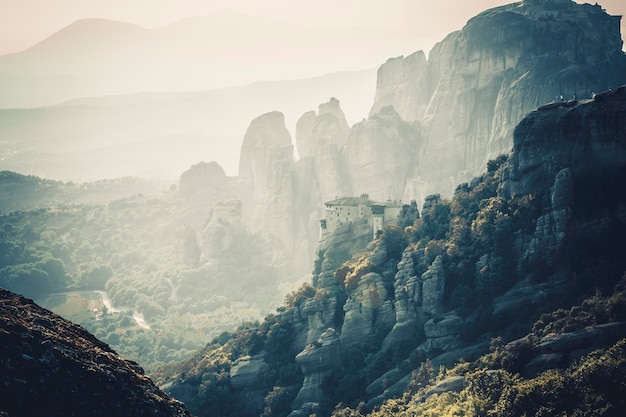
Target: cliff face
point(484, 79)
point(52, 367)
point(265, 171)
point(406, 84)
point(587, 137)
point(540, 231)
point(434, 123)
point(380, 154)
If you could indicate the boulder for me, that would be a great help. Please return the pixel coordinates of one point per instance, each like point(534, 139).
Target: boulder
point(249, 373)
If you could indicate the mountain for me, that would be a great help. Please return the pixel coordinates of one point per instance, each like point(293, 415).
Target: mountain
point(53, 367)
point(479, 82)
point(530, 251)
point(95, 57)
point(435, 123)
point(159, 134)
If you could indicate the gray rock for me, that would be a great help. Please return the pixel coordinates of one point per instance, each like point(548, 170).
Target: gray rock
point(406, 85)
point(360, 310)
point(433, 282)
point(543, 362)
point(249, 373)
point(380, 154)
point(317, 361)
point(496, 70)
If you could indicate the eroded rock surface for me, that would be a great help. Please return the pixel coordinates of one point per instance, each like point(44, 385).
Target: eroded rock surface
point(53, 367)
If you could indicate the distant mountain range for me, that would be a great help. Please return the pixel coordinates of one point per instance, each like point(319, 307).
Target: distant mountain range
point(94, 57)
point(161, 134)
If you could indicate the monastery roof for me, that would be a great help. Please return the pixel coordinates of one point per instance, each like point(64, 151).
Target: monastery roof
point(356, 201)
point(345, 201)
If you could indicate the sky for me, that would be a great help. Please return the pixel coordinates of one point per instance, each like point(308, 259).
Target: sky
point(23, 23)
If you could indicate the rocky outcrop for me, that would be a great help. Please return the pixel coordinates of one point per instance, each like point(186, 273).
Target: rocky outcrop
point(317, 361)
point(418, 300)
point(381, 153)
point(321, 137)
point(222, 229)
point(562, 349)
point(265, 169)
point(201, 177)
point(577, 135)
point(406, 85)
point(250, 377)
point(503, 64)
point(200, 186)
point(314, 131)
point(53, 367)
point(362, 310)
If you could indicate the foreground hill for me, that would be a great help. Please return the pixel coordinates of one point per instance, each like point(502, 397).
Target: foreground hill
point(515, 253)
point(53, 367)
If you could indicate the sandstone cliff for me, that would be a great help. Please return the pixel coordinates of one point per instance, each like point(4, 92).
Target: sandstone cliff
point(52, 367)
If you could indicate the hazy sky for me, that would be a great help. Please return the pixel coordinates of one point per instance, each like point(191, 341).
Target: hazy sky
point(25, 22)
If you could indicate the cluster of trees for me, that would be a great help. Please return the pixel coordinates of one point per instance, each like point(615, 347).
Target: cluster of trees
point(478, 235)
point(145, 255)
point(492, 385)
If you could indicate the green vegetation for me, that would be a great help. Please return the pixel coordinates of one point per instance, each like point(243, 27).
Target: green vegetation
point(591, 386)
point(207, 373)
point(481, 238)
point(144, 254)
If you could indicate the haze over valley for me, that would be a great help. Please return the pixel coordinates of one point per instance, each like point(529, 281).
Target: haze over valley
point(334, 209)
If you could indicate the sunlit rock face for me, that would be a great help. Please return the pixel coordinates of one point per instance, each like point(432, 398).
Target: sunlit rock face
point(319, 175)
point(321, 137)
point(265, 170)
point(405, 84)
point(381, 152)
point(504, 63)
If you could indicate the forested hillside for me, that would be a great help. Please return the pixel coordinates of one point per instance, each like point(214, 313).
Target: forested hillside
point(508, 298)
point(130, 271)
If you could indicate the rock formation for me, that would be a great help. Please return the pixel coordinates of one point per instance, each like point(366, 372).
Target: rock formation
point(363, 311)
point(52, 367)
point(317, 361)
point(201, 177)
point(321, 137)
point(405, 84)
point(485, 78)
point(381, 154)
point(265, 169)
point(314, 130)
point(569, 161)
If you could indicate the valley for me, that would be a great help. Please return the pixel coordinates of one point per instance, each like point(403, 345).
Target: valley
point(266, 251)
